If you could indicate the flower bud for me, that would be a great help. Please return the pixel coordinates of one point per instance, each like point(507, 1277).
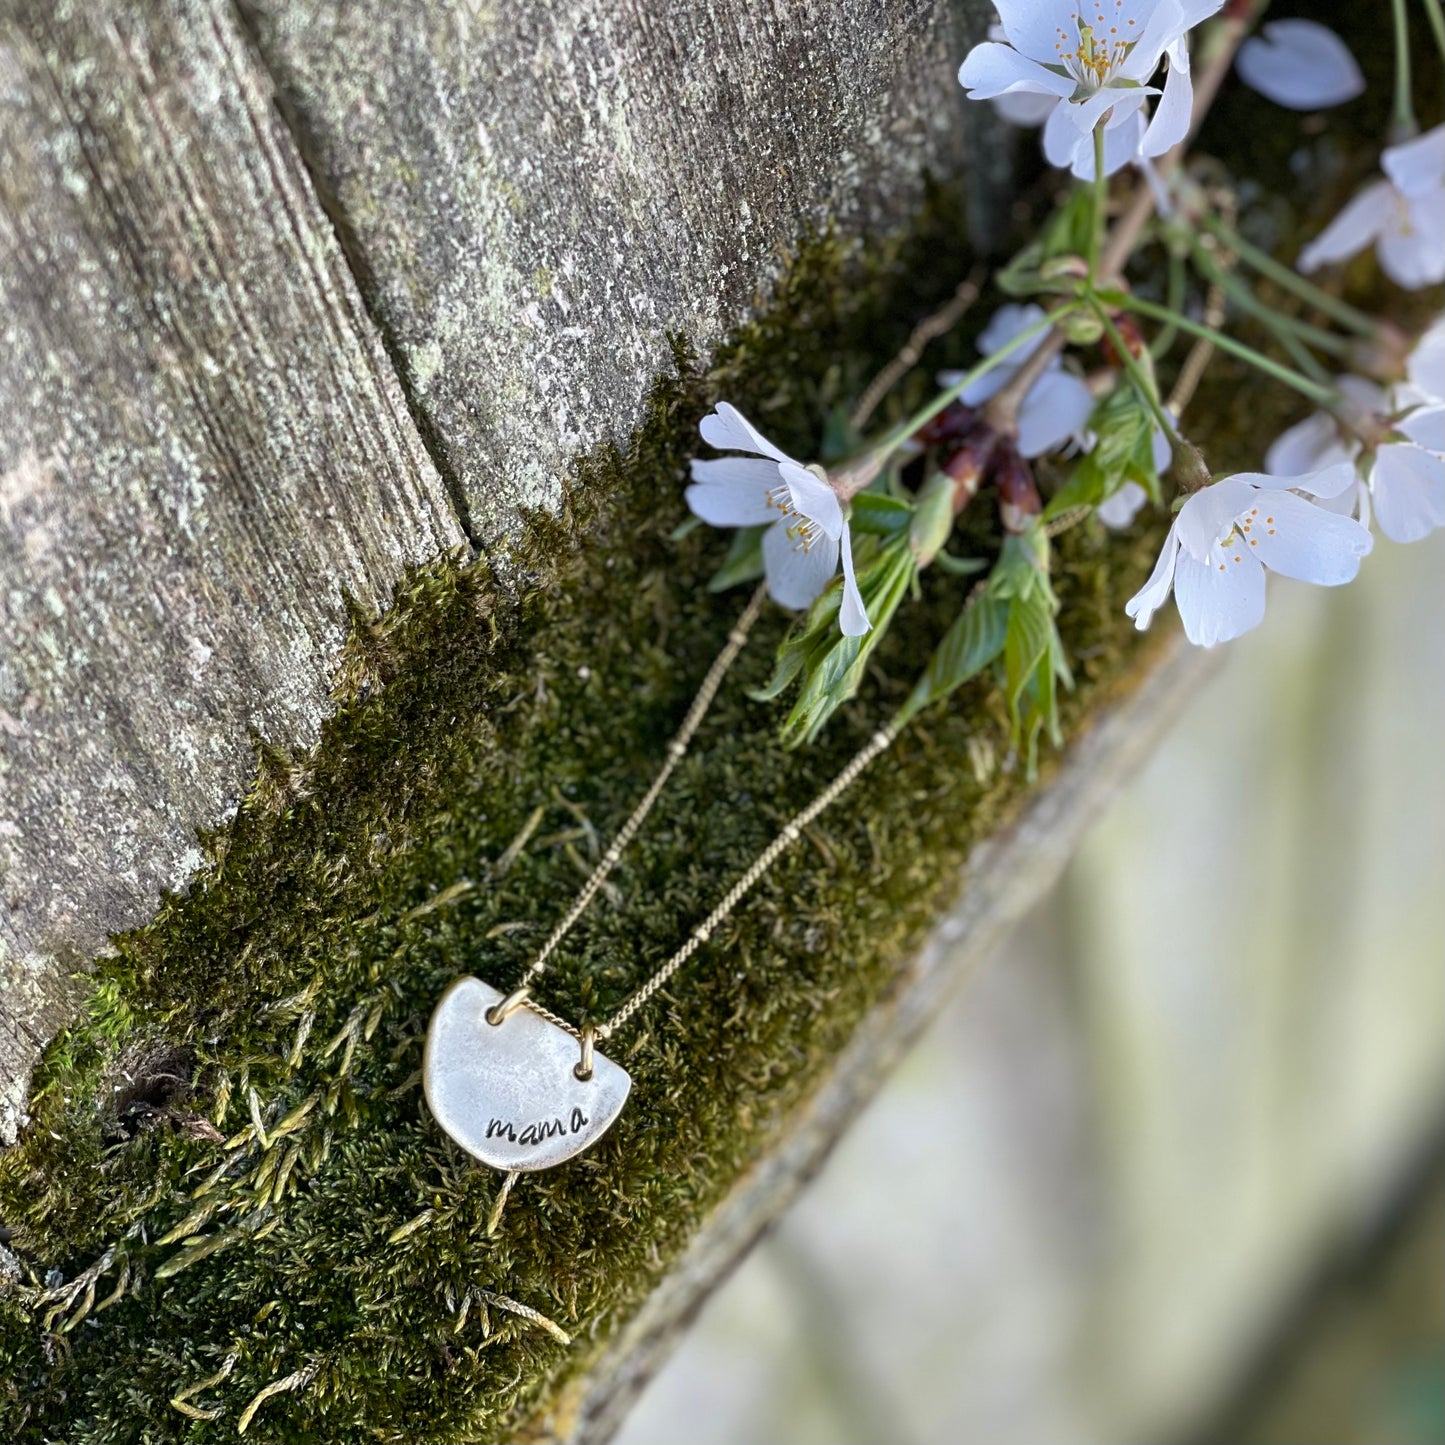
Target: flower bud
point(950, 425)
point(1018, 498)
point(1190, 471)
point(1082, 328)
point(932, 518)
point(1131, 336)
point(966, 463)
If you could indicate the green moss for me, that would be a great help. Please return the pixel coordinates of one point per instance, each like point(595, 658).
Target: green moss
point(486, 738)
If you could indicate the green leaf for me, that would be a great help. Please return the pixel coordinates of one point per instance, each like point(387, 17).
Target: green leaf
point(1009, 622)
point(830, 665)
point(1066, 233)
point(1124, 452)
point(959, 566)
point(880, 515)
point(970, 645)
point(1030, 626)
point(744, 561)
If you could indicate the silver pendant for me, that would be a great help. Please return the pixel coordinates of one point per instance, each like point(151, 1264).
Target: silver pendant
point(508, 1093)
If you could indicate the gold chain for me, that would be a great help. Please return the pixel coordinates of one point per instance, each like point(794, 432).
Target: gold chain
point(676, 749)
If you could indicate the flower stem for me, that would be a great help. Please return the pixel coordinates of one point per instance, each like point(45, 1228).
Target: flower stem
point(1404, 124)
point(1100, 193)
point(1143, 383)
point(1437, 24)
point(1160, 347)
point(1286, 329)
point(1291, 280)
point(1323, 395)
point(905, 429)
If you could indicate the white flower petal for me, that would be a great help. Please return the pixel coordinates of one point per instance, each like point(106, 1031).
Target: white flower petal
point(990, 382)
point(814, 498)
point(852, 614)
point(1084, 115)
point(1412, 248)
point(1162, 451)
point(1425, 365)
point(1119, 510)
point(1057, 406)
point(1352, 230)
point(1063, 140)
point(991, 70)
point(1426, 428)
point(1367, 396)
point(1123, 145)
point(1006, 323)
point(1300, 64)
point(735, 472)
point(1121, 142)
point(1170, 123)
point(728, 429)
point(1417, 166)
point(1025, 107)
point(1353, 502)
point(1219, 599)
point(1209, 514)
point(1298, 539)
point(796, 575)
point(1329, 481)
point(1307, 446)
point(733, 492)
point(1033, 26)
point(1408, 486)
point(1155, 592)
point(1166, 25)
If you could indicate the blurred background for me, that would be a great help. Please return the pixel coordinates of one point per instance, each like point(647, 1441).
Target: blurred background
point(1169, 1168)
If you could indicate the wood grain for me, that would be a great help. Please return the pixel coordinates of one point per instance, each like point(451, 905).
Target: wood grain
point(538, 194)
point(202, 442)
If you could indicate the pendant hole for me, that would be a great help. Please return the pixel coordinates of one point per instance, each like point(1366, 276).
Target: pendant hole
point(499, 1013)
point(579, 1072)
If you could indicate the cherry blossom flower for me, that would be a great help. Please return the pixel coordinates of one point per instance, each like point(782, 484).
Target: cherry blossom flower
point(1403, 216)
point(1401, 481)
point(807, 531)
point(1057, 405)
point(1226, 535)
point(1300, 64)
point(1092, 59)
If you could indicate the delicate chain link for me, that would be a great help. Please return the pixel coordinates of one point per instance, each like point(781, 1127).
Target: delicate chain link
point(675, 750)
point(792, 831)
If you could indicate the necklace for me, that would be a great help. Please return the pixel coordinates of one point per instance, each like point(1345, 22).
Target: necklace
point(521, 1088)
